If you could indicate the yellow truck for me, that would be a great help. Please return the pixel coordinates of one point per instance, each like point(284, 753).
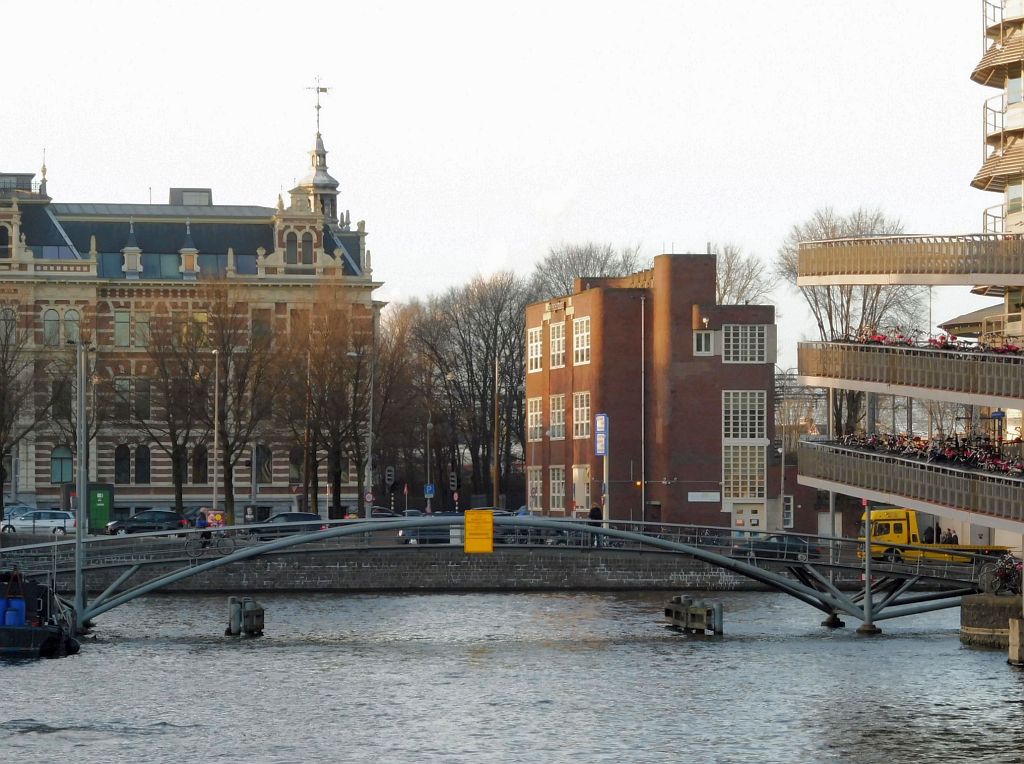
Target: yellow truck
point(895, 526)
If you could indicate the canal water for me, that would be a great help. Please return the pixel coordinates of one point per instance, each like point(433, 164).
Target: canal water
point(583, 677)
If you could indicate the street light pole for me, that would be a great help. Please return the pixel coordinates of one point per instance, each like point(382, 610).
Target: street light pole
point(82, 489)
point(216, 424)
point(430, 427)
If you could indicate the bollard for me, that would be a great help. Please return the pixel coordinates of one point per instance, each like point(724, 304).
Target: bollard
point(695, 616)
point(234, 617)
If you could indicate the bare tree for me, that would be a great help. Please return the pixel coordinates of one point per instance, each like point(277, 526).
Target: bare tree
point(554, 275)
point(846, 310)
point(23, 406)
point(741, 279)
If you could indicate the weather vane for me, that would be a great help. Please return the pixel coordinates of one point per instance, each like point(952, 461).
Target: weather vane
point(318, 89)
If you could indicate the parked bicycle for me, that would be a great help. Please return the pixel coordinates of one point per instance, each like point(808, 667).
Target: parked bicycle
point(1003, 576)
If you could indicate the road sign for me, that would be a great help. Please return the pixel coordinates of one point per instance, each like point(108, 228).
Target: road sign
point(479, 535)
point(428, 491)
point(455, 496)
point(368, 496)
point(601, 435)
point(863, 502)
point(405, 489)
point(389, 475)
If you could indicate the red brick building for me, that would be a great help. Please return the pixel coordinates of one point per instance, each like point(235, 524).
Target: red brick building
point(687, 386)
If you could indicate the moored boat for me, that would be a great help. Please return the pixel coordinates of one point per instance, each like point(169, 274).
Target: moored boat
point(33, 622)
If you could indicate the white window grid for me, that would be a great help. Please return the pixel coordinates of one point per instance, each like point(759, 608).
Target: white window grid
point(556, 481)
point(558, 417)
point(581, 415)
point(533, 350)
point(744, 343)
point(534, 419)
point(583, 502)
point(535, 485)
point(702, 343)
point(787, 511)
point(581, 341)
point(557, 342)
point(743, 414)
point(743, 471)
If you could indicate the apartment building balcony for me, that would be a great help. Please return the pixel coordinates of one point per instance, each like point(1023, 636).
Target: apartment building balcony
point(913, 483)
point(957, 376)
point(966, 260)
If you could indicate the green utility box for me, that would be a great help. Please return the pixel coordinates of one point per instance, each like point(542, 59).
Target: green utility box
point(101, 503)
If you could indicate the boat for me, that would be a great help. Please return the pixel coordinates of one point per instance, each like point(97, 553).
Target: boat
point(33, 621)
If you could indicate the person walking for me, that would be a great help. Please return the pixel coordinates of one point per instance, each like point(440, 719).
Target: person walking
point(595, 517)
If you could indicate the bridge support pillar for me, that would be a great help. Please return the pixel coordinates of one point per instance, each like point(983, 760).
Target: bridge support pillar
point(868, 628)
point(833, 621)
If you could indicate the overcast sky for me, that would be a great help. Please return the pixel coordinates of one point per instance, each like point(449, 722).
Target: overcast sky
point(473, 136)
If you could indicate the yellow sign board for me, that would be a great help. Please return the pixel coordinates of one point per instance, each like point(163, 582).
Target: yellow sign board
point(479, 536)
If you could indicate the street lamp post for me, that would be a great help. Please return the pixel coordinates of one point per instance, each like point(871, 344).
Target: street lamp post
point(430, 427)
point(216, 423)
point(82, 488)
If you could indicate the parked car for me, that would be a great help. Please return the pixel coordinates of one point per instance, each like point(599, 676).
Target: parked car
point(55, 521)
point(148, 520)
point(440, 534)
point(12, 511)
point(777, 546)
point(382, 513)
point(287, 523)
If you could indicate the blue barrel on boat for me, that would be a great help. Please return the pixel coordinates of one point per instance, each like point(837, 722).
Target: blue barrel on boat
point(15, 613)
point(3, 608)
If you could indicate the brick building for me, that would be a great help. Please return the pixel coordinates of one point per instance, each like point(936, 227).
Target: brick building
point(104, 271)
point(687, 386)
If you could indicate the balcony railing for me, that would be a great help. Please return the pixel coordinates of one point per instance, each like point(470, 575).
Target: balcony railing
point(982, 493)
point(950, 371)
point(970, 259)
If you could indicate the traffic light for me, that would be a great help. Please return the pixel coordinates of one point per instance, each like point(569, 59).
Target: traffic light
point(453, 480)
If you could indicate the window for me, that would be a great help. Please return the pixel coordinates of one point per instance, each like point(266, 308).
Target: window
point(200, 321)
point(743, 414)
point(743, 343)
point(8, 324)
point(533, 350)
point(71, 325)
point(743, 469)
point(200, 464)
point(557, 345)
point(557, 417)
point(51, 327)
point(141, 330)
point(787, 511)
point(122, 464)
point(143, 401)
point(261, 319)
point(1014, 196)
point(122, 398)
point(264, 465)
point(581, 341)
point(5, 242)
point(295, 463)
point(534, 419)
point(60, 465)
point(581, 486)
point(581, 415)
point(307, 249)
point(291, 249)
point(142, 465)
point(60, 392)
point(1014, 91)
point(556, 478)
point(702, 343)
point(535, 487)
point(121, 328)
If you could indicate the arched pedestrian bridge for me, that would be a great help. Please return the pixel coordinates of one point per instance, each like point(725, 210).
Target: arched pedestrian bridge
point(805, 567)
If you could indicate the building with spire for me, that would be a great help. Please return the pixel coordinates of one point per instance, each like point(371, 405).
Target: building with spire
point(105, 271)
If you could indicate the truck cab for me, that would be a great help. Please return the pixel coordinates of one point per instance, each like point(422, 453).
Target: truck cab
point(893, 527)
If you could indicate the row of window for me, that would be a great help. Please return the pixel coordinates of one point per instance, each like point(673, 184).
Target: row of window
point(194, 469)
point(556, 431)
point(557, 487)
point(556, 345)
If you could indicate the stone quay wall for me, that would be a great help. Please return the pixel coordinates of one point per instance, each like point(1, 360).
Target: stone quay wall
point(985, 619)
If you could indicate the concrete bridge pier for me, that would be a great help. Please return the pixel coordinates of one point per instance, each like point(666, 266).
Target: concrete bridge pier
point(833, 621)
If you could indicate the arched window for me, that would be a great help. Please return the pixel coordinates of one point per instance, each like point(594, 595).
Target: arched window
point(5, 242)
point(295, 461)
point(200, 464)
point(307, 249)
point(291, 249)
point(51, 327)
point(122, 464)
point(71, 322)
point(264, 464)
point(142, 465)
point(60, 465)
point(8, 324)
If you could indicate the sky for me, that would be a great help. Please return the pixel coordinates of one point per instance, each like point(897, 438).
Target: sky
point(473, 136)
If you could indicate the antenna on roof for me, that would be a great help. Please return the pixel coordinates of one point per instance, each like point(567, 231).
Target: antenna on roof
point(318, 89)
point(150, 194)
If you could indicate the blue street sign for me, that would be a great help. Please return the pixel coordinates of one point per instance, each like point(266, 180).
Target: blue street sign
point(601, 435)
point(428, 491)
point(997, 414)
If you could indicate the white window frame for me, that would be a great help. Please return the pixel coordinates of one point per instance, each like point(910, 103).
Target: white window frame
point(703, 343)
point(581, 415)
point(556, 344)
point(557, 416)
point(581, 341)
point(744, 343)
point(788, 505)
point(534, 350)
point(534, 419)
point(556, 483)
point(535, 488)
point(744, 415)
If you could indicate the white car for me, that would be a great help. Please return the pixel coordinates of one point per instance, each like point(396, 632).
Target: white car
point(55, 521)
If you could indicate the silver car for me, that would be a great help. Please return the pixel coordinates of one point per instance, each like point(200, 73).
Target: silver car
point(55, 521)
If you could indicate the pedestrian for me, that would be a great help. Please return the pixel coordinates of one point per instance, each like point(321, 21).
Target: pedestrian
point(929, 535)
point(595, 518)
point(953, 538)
point(946, 537)
point(204, 523)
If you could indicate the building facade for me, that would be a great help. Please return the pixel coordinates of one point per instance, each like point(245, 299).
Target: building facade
point(106, 272)
point(983, 505)
point(687, 388)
